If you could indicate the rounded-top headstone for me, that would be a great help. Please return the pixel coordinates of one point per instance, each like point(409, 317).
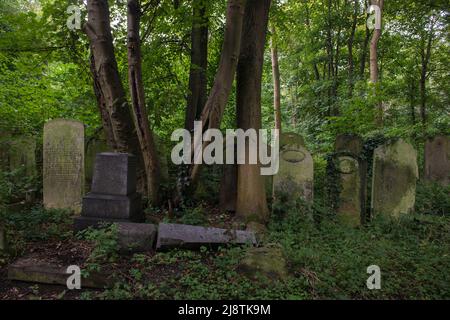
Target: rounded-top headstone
point(295, 176)
point(63, 168)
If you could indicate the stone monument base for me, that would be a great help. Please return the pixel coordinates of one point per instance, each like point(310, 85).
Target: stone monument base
point(112, 206)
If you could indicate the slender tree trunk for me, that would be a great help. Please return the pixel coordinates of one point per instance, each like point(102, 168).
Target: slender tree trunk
point(351, 62)
point(363, 57)
point(199, 62)
point(308, 25)
point(145, 135)
point(213, 112)
point(425, 58)
point(276, 80)
point(251, 197)
point(374, 71)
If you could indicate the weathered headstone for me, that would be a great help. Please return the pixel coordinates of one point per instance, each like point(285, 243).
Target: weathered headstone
point(113, 195)
point(351, 172)
point(192, 237)
point(394, 178)
point(437, 160)
point(296, 172)
point(22, 154)
point(63, 167)
point(94, 145)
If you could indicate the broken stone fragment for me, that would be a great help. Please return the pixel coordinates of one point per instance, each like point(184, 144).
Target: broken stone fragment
point(267, 262)
point(136, 237)
point(193, 237)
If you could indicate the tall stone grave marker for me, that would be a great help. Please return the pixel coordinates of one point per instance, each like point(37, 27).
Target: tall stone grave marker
point(296, 172)
point(94, 146)
point(113, 196)
point(63, 167)
point(22, 154)
point(351, 170)
point(437, 160)
point(394, 178)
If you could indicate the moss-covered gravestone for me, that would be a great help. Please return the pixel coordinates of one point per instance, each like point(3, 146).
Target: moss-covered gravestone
point(295, 177)
point(351, 179)
point(22, 155)
point(437, 160)
point(63, 167)
point(394, 178)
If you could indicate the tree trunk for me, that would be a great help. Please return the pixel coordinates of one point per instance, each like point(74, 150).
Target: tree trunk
point(107, 78)
point(351, 62)
point(363, 58)
point(104, 114)
point(145, 135)
point(199, 62)
point(374, 77)
point(425, 58)
point(276, 80)
point(213, 112)
point(251, 196)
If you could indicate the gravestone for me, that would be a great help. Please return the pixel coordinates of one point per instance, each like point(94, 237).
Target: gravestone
point(351, 172)
point(22, 154)
point(113, 196)
point(296, 172)
point(193, 237)
point(394, 178)
point(95, 145)
point(437, 160)
point(63, 166)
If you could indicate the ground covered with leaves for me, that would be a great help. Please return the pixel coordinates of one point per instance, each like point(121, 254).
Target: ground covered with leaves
point(325, 260)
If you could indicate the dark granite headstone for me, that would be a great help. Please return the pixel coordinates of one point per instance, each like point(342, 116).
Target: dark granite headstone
point(114, 174)
point(113, 196)
point(192, 237)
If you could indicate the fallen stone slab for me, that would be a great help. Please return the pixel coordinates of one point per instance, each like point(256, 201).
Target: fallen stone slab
point(37, 271)
point(193, 237)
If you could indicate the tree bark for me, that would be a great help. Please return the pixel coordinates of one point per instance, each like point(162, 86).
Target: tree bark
point(251, 196)
point(276, 80)
point(199, 61)
point(145, 135)
point(104, 114)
